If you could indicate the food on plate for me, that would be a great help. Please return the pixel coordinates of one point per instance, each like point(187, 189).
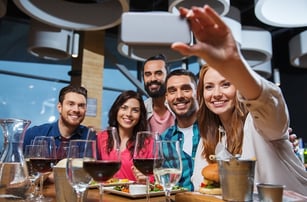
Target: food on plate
point(116, 180)
point(153, 188)
point(211, 182)
point(111, 181)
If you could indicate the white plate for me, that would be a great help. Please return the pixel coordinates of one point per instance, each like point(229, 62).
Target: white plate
point(96, 185)
point(129, 195)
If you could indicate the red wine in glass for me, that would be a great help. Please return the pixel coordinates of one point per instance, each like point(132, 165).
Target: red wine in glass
point(101, 170)
point(143, 155)
point(145, 166)
point(42, 165)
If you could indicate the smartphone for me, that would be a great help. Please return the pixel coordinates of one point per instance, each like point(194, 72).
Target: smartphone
point(154, 28)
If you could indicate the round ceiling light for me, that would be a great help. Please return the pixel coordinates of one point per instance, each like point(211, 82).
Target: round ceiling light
point(264, 69)
point(220, 6)
point(75, 14)
point(282, 13)
point(52, 43)
point(298, 50)
point(256, 45)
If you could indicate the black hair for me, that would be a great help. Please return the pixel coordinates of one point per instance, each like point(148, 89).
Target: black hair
point(158, 57)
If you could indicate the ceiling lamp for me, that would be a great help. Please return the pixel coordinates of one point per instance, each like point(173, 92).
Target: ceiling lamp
point(264, 69)
point(85, 15)
point(282, 13)
point(52, 43)
point(256, 45)
point(298, 50)
point(233, 21)
point(144, 34)
point(220, 6)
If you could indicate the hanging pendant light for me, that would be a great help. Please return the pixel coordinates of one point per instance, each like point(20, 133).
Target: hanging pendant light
point(75, 14)
point(256, 45)
point(298, 50)
point(52, 43)
point(264, 69)
point(282, 13)
point(220, 6)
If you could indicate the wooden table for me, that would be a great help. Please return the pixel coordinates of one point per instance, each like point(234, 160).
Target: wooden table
point(93, 196)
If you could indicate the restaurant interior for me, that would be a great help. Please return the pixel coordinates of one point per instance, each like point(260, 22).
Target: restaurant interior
point(32, 78)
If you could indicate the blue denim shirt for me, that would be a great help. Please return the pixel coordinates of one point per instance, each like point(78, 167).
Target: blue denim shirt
point(52, 129)
point(173, 133)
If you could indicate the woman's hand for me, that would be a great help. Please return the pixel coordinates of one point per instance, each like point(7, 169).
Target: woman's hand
point(215, 43)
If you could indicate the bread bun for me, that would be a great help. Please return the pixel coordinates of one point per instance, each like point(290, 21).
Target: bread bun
point(211, 172)
point(213, 191)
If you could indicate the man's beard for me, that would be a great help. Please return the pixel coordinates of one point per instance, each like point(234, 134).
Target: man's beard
point(158, 93)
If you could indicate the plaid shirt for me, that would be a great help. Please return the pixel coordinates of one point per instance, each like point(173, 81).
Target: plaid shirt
point(173, 133)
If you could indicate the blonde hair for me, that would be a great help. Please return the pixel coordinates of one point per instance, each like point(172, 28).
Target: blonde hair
point(209, 123)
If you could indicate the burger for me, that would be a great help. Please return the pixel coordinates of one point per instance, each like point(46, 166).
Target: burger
point(211, 182)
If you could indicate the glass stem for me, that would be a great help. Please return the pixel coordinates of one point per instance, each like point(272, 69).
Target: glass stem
point(41, 186)
point(168, 195)
point(32, 190)
point(100, 192)
point(80, 196)
point(148, 189)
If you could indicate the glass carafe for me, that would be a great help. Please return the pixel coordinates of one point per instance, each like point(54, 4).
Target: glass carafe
point(14, 182)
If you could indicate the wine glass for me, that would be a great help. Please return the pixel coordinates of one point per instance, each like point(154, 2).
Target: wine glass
point(62, 150)
point(78, 152)
point(107, 161)
point(30, 150)
point(43, 160)
point(143, 156)
point(167, 165)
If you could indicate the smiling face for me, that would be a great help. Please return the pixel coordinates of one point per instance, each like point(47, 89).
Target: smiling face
point(154, 78)
point(72, 110)
point(129, 114)
point(181, 96)
point(219, 94)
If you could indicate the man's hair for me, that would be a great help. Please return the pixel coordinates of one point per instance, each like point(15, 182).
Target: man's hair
point(181, 72)
point(72, 89)
point(158, 57)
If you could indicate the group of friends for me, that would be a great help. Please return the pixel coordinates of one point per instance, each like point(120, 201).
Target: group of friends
point(227, 95)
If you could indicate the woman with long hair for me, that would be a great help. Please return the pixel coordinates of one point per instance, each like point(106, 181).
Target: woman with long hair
point(128, 115)
point(244, 112)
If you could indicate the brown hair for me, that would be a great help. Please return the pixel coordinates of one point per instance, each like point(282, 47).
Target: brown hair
point(210, 122)
point(72, 89)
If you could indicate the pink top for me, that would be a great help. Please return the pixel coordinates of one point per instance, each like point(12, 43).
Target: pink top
point(160, 124)
point(125, 171)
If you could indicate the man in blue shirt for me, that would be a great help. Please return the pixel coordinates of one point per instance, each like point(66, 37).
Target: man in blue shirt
point(181, 87)
point(72, 109)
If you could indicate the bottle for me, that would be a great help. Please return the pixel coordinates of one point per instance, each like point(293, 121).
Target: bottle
point(14, 181)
